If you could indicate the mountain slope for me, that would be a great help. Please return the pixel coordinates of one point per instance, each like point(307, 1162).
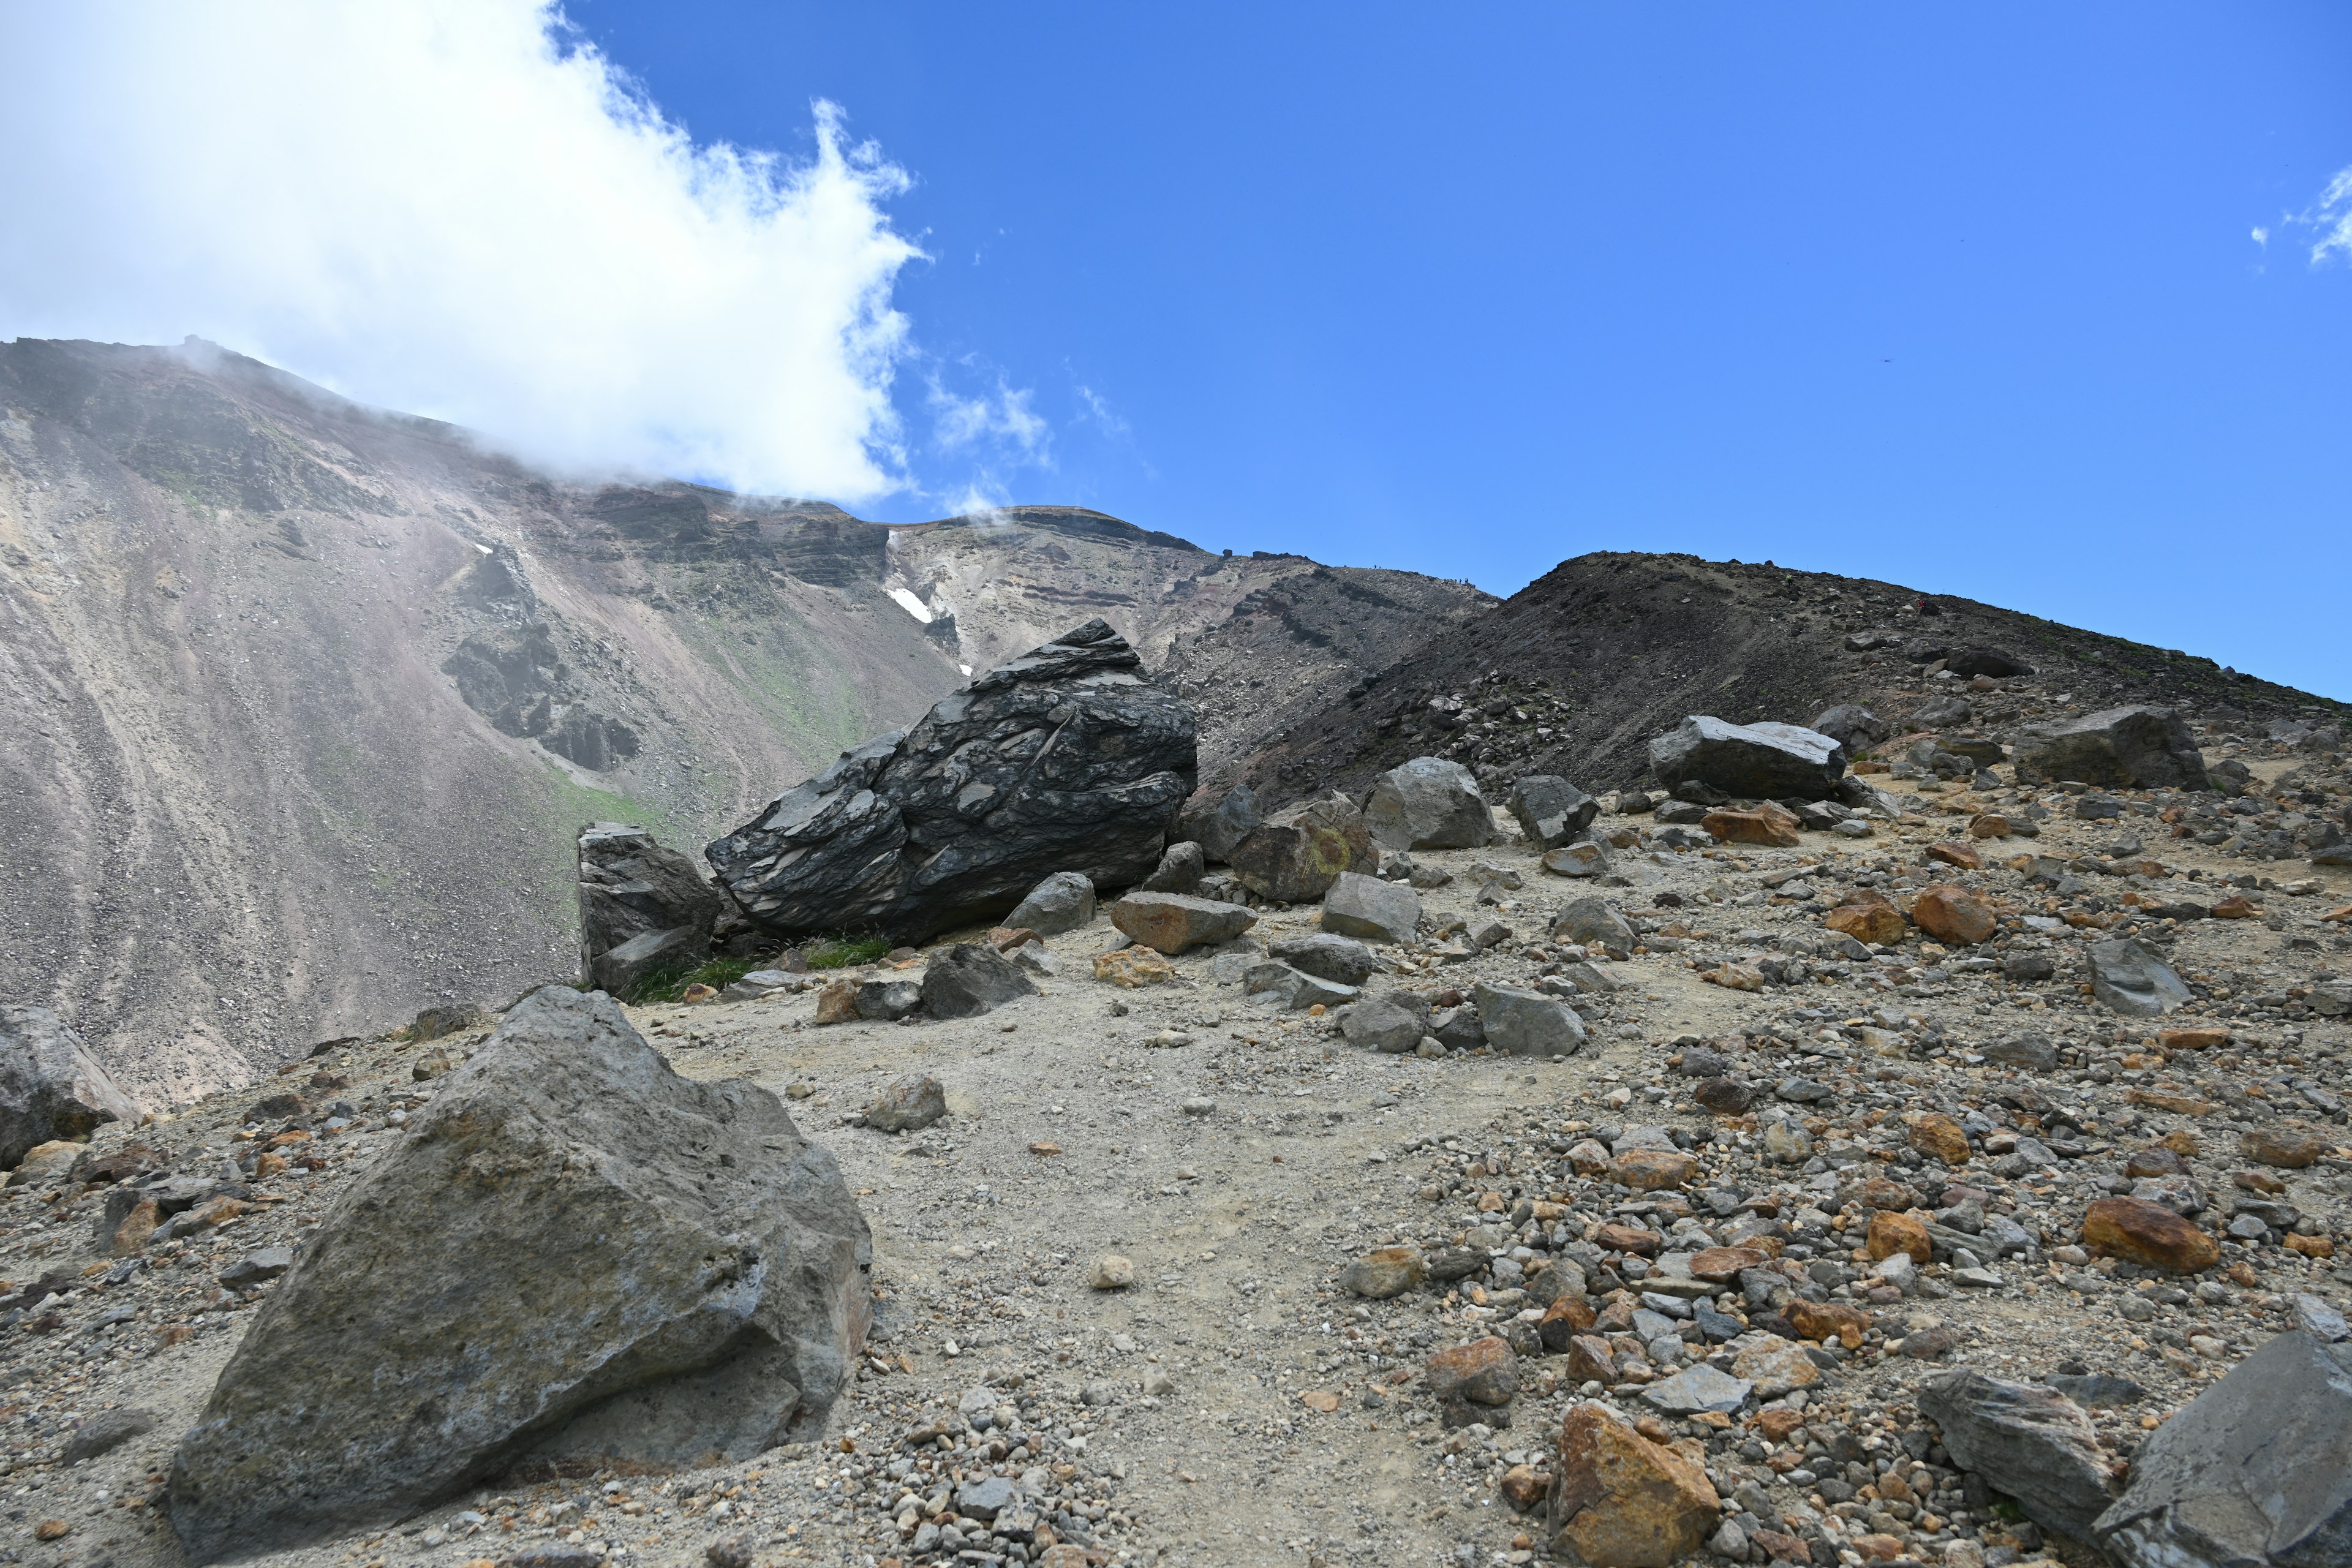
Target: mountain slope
point(305, 699)
point(1577, 671)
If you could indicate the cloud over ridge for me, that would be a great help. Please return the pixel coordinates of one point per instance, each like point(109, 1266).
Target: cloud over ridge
point(460, 210)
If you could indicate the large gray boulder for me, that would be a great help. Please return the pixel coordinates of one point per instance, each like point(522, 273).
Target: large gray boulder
point(1365, 907)
point(1550, 810)
point(2256, 1471)
point(1851, 726)
point(1757, 761)
point(1295, 855)
point(1527, 1022)
point(575, 1255)
point(1217, 826)
point(630, 888)
point(2034, 1443)
point(1594, 922)
point(2123, 748)
point(50, 1086)
point(1066, 758)
point(2133, 981)
point(1062, 903)
point(1428, 804)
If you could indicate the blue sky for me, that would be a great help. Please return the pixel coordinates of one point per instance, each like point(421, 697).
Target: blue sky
point(1964, 297)
point(2018, 302)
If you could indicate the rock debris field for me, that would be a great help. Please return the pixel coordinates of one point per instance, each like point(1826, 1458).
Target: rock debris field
point(1890, 1209)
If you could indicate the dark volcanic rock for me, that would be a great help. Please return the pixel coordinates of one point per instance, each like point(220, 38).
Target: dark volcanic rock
point(1853, 726)
point(1550, 810)
point(1297, 854)
point(1067, 758)
point(1757, 761)
point(2034, 1444)
point(2137, 748)
point(1221, 825)
point(631, 885)
point(970, 979)
point(575, 1255)
point(50, 1086)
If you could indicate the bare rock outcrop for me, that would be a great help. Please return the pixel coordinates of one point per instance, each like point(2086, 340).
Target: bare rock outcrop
point(1065, 759)
point(50, 1086)
point(642, 908)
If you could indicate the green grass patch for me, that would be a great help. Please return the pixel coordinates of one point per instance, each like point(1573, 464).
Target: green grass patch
point(843, 952)
point(669, 985)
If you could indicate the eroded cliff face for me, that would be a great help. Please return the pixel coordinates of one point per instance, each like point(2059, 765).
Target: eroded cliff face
point(303, 702)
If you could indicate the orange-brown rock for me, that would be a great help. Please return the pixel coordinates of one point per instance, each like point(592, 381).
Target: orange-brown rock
point(2149, 1234)
point(1878, 1547)
point(2236, 907)
point(1891, 1233)
point(1653, 1170)
point(1827, 1320)
point(1630, 1238)
point(1723, 1264)
point(1752, 827)
point(1990, 825)
point(1939, 1137)
point(2310, 1246)
point(1964, 856)
point(1870, 919)
point(1484, 1372)
point(2289, 1148)
point(1004, 939)
point(1884, 1192)
point(2183, 1141)
point(2193, 1037)
point(1735, 977)
point(1619, 1500)
point(838, 1003)
point(1563, 1320)
point(1954, 915)
point(136, 1228)
point(1524, 1486)
point(1589, 1158)
point(2157, 1161)
point(2161, 1100)
point(1589, 1360)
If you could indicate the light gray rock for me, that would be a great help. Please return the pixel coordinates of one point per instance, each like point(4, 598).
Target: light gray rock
point(1062, 903)
point(2034, 1444)
point(1698, 1388)
point(1365, 907)
point(50, 1086)
point(107, 1431)
point(908, 1103)
point(2033, 1052)
point(1594, 922)
point(630, 887)
point(1428, 804)
point(2122, 748)
point(1341, 959)
point(257, 1267)
point(1585, 857)
point(1382, 1025)
point(1526, 1024)
point(1293, 988)
point(971, 978)
point(1180, 870)
point(575, 1255)
point(2256, 1471)
point(620, 971)
point(1757, 761)
point(888, 998)
point(1068, 758)
point(1550, 810)
point(2133, 981)
point(1221, 825)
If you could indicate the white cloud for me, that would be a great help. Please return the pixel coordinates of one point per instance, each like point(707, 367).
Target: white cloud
point(450, 208)
point(1003, 420)
point(2331, 215)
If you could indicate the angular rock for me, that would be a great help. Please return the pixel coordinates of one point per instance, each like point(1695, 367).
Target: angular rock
point(1776, 1367)
point(257, 1267)
point(1954, 915)
point(1619, 1500)
point(2033, 1052)
point(1976, 659)
point(631, 887)
point(1869, 919)
point(1891, 1233)
point(2034, 1444)
point(1382, 1025)
point(838, 1002)
point(1653, 1170)
point(2121, 748)
point(908, 1103)
point(1180, 870)
point(1526, 1024)
point(1939, 1137)
point(1428, 804)
point(1552, 811)
point(1759, 762)
point(1066, 758)
point(2133, 981)
point(1457, 1029)
point(1594, 922)
point(1698, 1388)
point(1342, 960)
point(1384, 1272)
point(1176, 922)
point(1582, 859)
point(1484, 1372)
point(2286, 1148)
point(887, 1000)
point(2256, 1470)
point(1365, 907)
point(1854, 728)
point(1131, 968)
point(575, 1255)
point(107, 1431)
point(1296, 856)
point(1221, 826)
point(620, 971)
point(51, 1087)
point(1773, 827)
point(1062, 903)
point(971, 978)
point(1942, 713)
point(1294, 989)
point(1726, 1095)
point(2150, 1233)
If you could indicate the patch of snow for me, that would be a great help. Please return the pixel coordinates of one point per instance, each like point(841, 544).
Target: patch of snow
point(912, 605)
